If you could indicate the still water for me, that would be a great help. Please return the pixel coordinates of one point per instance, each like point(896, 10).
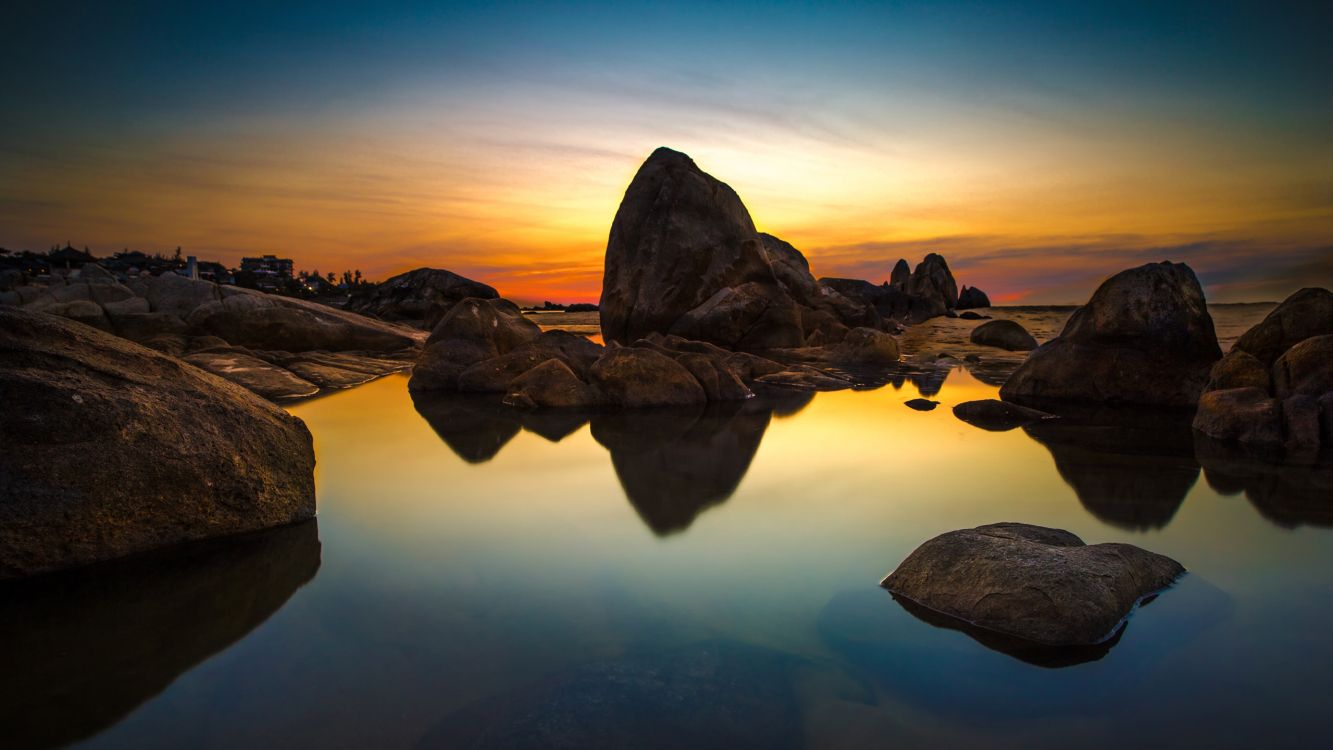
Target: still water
point(707, 578)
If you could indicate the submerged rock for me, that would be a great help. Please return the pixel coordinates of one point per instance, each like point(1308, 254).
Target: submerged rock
point(1044, 585)
point(177, 454)
point(921, 404)
point(1003, 334)
point(1145, 337)
point(998, 416)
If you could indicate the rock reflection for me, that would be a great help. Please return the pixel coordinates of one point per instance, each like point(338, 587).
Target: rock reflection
point(474, 427)
point(673, 464)
point(82, 649)
point(1286, 494)
point(1130, 469)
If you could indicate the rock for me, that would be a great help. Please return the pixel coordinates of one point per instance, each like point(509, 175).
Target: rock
point(866, 346)
point(637, 377)
point(901, 274)
point(921, 404)
point(474, 331)
point(82, 311)
point(1300, 423)
point(495, 375)
point(719, 382)
point(1306, 369)
point(253, 373)
point(1003, 334)
point(179, 454)
point(143, 327)
point(969, 315)
point(971, 297)
point(421, 297)
point(682, 244)
point(550, 384)
point(258, 321)
point(1304, 314)
point(932, 281)
point(1145, 337)
point(126, 306)
point(1044, 585)
point(92, 273)
point(1245, 415)
point(998, 416)
point(1238, 369)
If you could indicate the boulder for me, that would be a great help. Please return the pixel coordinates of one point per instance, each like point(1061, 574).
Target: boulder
point(865, 346)
point(551, 384)
point(998, 416)
point(114, 449)
point(1306, 369)
point(1244, 415)
point(901, 274)
point(495, 375)
point(969, 315)
point(933, 282)
point(473, 331)
point(1238, 369)
point(1145, 337)
point(1003, 334)
point(420, 297)
point(972, 297)
point(1307, 313)
point(636, 377)
point(680, 241)
point(1040, 584)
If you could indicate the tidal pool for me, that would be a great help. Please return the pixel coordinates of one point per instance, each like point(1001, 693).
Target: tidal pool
point(482, 578)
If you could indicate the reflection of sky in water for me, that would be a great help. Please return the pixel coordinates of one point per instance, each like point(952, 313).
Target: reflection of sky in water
point(446, 581)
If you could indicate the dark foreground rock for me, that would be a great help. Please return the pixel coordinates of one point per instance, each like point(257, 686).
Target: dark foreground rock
point(1043, 585)
point(998, 416)
point(1272, 394)
point(1004, 334)
point(113, 449)
point(1145, 337)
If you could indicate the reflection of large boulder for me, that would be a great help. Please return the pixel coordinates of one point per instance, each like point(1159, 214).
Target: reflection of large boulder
point(1130, 471)
point(1145, 337)
point(714, 694)
point(675, 463)
point(1043, 585)
point(420, 297)
point(113, 449)
point(84, 648)
point(1273, 392)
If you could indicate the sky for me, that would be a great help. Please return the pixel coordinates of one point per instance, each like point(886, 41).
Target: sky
point(1040, 147)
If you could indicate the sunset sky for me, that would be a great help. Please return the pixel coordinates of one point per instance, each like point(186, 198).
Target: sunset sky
point(1038, 146)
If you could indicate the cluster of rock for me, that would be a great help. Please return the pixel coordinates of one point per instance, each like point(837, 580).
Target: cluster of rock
point(1273, 392)
point(418, 297)
point(276, 346)
point(1145, 337)
point(112, 448)
point(909, 296)
point(488, 346)
point(970, 298)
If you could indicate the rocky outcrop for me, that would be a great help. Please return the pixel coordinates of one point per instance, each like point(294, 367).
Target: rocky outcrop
point(1003, 334)
point(1145, 337)
point(1040, 584)
point(901, 274)
point(684, 258)
point(169, 312)
point(928, 292)
point(419, 297)
point(113, 449)
point(971, 297)
point(1273, 392)
point(932, 286)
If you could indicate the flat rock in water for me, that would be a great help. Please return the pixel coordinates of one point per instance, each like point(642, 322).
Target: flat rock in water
point(921, 404)
point(1044, 585)
point(998, 416)
point(253, 373)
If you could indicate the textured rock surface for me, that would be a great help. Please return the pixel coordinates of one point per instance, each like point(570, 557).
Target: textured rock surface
point(420, 297)
point(112, 449)
point(1145, 337)
point(1004, 334)
point(1032, 582)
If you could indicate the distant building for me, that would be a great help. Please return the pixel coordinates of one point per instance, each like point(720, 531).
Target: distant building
point(268, 264)
point(68, 257)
